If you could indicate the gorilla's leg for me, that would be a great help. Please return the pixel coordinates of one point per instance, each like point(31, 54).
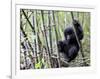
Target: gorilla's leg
point(72, 53)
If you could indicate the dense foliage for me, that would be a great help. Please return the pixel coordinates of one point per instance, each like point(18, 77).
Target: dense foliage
point(40, 31)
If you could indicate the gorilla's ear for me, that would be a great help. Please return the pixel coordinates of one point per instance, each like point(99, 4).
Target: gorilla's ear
point(60, 46)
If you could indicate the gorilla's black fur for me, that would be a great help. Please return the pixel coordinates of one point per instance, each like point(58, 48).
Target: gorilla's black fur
point(70, 46)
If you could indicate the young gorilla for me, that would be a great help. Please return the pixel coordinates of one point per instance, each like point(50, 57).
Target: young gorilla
point(70, 46)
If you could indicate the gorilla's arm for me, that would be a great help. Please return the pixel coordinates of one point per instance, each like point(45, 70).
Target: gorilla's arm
point(78, 29)
point(80, 33)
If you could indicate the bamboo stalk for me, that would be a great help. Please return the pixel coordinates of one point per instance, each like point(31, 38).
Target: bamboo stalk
point(35, 39)
point(58, 29)
point(50, 31)
point(56, 39)
point(83, 20)
point(38, 38)
point(50, 35)
point(46, 38)
point(65, 20)
point(78, 15)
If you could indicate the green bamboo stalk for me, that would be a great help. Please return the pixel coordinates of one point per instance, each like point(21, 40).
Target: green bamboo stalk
point(65, 20)
point(46, 38)
point(35, 42)
point(50, 34)
point(57, 24)
point(50, 31)
point(37, 37)
point(83, 20)
point(78, 15)
point(56, 39)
